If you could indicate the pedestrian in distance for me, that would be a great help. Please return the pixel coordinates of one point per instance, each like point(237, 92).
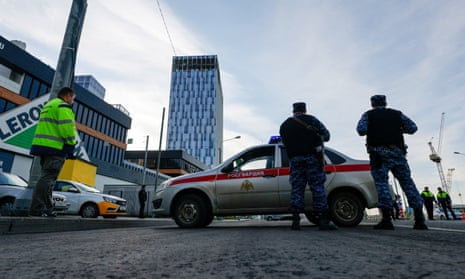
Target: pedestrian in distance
point(384, 129)
point(53, 142)
point(445, 202)
point(303, 136)
point(396, 208)
point(428, 201)
point(142, 200)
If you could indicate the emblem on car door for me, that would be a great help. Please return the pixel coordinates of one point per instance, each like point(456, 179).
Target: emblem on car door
point(246, 185)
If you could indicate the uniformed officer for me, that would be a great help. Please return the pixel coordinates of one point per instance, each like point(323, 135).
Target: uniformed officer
point(428, 201)
point(303, 137)
point(445, 202)
point(384, 129)
point(54, 140)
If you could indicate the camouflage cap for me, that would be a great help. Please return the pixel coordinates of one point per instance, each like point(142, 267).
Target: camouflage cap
point(299, 107)
point(378, 100)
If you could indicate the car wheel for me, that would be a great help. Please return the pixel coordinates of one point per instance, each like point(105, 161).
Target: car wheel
point(269, 218)
point(346, 209)
point(190, 211)
point(6, 206)
point(89, 210)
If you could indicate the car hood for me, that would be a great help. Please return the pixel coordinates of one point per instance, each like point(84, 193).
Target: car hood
point(108, 196)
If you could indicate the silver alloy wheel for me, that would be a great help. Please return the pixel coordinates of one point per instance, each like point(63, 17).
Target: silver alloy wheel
point(89, 211)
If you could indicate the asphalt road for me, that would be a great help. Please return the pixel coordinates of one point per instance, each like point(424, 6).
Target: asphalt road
point(238, 249)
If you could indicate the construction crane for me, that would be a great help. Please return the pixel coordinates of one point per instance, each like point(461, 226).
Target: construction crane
point(436, 158)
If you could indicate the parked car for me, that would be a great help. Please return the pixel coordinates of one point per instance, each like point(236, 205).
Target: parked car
point(439, 213)
point(278, 217)
point(13, 186)
point(89, 202)
point(256, 182)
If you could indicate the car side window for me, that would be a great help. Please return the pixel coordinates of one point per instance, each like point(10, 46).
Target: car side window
point(284, 158)
point(64, 187)
point(334, 158)
point(261, 158)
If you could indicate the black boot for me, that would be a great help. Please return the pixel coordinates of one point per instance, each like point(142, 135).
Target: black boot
point(295, 222)
point(325, 224)
point(386, 223)
point(419, 219)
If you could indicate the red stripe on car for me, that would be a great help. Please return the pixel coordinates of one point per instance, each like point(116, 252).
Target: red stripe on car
point(261, 173)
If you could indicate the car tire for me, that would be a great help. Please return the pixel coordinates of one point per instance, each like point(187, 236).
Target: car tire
point(269, 218)
point(89, 210)
point(346, 209)
point(190, 211)
point(6, 206)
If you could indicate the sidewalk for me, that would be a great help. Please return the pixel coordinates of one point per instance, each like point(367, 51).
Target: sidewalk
point(20, 225)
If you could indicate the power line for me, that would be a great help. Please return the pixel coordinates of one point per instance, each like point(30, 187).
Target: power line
point(166, 28)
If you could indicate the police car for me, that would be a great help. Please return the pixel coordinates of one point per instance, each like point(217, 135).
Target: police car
point(256, 182)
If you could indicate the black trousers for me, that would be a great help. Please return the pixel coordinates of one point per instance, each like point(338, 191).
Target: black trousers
point(429, 209)
point(141, 210)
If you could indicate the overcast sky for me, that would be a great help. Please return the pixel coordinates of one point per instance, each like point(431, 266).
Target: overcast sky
point(331, 54)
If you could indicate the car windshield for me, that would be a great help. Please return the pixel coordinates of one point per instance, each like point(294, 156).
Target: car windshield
point(12, 179)
point(85, 188)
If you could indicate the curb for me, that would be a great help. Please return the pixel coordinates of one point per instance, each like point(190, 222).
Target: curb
point(24, 225)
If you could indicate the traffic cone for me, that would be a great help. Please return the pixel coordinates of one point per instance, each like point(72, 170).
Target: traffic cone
point(463, 215)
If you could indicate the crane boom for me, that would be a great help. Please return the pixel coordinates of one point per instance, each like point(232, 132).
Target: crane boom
point(436, 158)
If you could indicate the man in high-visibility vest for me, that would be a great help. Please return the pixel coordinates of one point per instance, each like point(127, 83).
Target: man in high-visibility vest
point(428, 201)
point(445, 202)
point(53, 142)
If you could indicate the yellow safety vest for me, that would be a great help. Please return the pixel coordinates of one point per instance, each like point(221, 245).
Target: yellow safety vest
point(56, 125)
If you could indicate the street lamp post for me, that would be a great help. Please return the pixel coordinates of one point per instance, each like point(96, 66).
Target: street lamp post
point(145, 159)
point(220, 149)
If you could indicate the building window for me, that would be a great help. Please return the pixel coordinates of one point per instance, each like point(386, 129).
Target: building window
point(11, 78)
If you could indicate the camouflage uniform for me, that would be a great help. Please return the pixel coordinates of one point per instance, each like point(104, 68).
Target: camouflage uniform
point(392, 158)
point(303, 136)
point(307, 170)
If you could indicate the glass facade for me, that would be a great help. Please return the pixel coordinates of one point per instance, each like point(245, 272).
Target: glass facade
point(195, 118)
point(101, 126)
point(91, 84)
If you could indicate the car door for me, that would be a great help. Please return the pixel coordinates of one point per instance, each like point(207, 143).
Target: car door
point(250, 183)
point(72, 193)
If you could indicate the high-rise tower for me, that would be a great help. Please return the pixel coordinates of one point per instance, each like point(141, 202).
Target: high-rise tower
point(195, 118)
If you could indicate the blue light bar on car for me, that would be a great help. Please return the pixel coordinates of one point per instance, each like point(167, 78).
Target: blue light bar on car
point(274, 139)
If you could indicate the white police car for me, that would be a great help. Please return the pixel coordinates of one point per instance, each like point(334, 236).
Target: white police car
point(256, 182)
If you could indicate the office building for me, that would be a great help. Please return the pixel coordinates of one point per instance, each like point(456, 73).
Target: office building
point(91, 84)
point(172, 162)
point(25, 83)
point(195, 118)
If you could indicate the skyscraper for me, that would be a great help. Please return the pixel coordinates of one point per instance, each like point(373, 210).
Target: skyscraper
point(195, 118)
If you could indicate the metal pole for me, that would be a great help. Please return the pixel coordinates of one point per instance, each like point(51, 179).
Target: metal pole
point(145, 159)
point(159, 151)
point(64, 75)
